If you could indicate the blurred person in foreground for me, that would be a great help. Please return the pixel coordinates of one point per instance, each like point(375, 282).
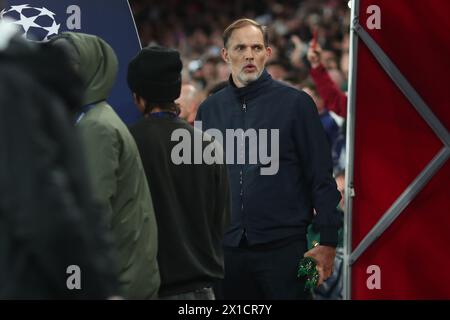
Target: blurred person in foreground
point(115, 166)
point(49, 222)
point(270, 213)
point(191, 200)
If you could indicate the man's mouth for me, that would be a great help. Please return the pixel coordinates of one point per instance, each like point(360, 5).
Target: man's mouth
point(249, 68)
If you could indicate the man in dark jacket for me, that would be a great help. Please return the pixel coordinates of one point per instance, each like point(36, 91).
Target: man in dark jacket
point(271, 210)
point(191, 200)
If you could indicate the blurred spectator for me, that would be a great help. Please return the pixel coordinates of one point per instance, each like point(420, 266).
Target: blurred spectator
point(297, 52)
point(340, 182)
point(338, 149)
point(334, 99)
point(189, 100)
point(331, 289)
point(329, 124)
point(344, 65)
point(115, 167)
point(337, 77)
point(217, 87)
point(333, 125)
point(223, 72)
point(328, 59)
point(277, 70)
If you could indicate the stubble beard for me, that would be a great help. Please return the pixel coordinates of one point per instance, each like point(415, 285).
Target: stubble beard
point(247, 78)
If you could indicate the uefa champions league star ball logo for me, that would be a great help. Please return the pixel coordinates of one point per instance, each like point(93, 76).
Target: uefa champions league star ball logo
point(36, 24)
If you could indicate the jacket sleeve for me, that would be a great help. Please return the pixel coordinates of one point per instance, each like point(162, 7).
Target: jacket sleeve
point(102, 148)
point(334, 99)
point(223, 205)
point(317, 167)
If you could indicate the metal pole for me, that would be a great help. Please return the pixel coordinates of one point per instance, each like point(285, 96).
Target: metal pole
point(349, 191)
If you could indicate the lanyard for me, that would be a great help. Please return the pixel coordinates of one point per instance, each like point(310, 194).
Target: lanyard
point(85, 109)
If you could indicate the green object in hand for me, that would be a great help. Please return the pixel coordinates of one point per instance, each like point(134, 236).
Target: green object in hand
point(307, 268)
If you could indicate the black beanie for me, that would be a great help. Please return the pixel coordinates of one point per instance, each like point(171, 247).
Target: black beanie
point(155, 74)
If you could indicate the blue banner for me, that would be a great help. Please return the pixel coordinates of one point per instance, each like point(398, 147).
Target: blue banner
point(111, 20)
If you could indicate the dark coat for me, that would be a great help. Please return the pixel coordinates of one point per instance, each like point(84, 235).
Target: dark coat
point(48, 219)
point(116, 171)
point(191, 204)
point(273, 207)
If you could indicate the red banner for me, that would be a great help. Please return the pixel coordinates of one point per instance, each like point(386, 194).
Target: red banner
point(393, 145)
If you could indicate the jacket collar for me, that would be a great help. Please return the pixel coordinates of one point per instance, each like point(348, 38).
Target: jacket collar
point(252, 90)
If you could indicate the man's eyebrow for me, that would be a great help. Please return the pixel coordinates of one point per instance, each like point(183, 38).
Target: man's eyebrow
point(251, 45)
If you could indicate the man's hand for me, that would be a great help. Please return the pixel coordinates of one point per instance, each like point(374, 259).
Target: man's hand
point(314, 55)
point(324, 256)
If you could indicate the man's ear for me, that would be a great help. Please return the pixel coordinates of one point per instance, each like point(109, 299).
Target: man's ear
point(225, 56)
point(139, 101)
point(268, 51)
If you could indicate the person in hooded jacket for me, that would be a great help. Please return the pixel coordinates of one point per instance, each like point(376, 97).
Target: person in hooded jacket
point(115, 166)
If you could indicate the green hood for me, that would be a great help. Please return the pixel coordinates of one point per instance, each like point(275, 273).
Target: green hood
point(97, 65)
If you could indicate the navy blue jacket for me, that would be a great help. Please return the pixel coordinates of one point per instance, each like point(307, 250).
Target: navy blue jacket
point(267, 208)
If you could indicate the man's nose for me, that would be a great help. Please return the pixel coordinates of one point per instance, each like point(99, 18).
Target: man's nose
point(248, 54)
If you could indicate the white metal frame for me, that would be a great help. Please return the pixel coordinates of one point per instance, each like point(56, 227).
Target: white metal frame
point(349, 191)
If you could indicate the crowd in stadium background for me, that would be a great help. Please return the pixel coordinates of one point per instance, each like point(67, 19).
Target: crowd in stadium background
point(195, 29)
point(309, 41)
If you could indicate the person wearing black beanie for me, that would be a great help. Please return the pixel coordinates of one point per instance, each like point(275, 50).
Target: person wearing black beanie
point(191, 201)
point(154, 75)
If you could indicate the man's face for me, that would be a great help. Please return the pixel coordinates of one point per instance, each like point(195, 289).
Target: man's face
point(186, 100)
point(246, 54)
